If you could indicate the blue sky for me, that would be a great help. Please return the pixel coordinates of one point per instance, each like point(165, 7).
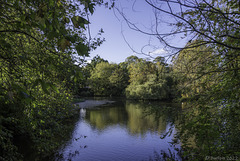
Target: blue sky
point(115, 49)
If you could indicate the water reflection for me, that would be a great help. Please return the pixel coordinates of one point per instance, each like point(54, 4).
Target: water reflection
point(138, 117)
point(140, 123)
point(107, 116)
point(82, 113)
point(124, 131)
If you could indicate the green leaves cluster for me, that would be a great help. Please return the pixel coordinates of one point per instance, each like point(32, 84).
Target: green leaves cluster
point(33, 95)
point(150, 80)
point(38, 42)
point(135, 78)
point(208, 82)
point(108, 80)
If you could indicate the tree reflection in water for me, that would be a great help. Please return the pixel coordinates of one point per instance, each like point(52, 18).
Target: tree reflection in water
point(138, 117)
point(124, 131)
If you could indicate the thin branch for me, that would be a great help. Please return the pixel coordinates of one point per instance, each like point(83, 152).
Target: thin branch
point(194, 28)
point(21, 32)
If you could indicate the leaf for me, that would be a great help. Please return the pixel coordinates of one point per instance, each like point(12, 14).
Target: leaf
point(54, 88)
point(66, 20)
point(71, 38)
point(63, 44)
point(75, 79)
point(45, 87)
point(91, 8)
point(79, 21)
point(82, 49)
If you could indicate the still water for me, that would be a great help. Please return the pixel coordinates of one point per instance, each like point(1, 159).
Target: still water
point(124, 130)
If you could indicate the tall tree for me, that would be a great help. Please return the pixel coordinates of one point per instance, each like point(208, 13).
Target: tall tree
point(38, 40)
point(119, 80)
point(190, 67)
point(148, 81)
point(139, 70)
point(206, 84)
point(99, 81)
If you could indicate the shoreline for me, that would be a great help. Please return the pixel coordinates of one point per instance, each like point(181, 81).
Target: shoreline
point(92, 103)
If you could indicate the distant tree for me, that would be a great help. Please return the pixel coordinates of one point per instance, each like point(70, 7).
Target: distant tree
point(159, 59)
point(131, 59)
point(146, 82)
point(108, 79)
point(119, 80)
point(87, 69)
point(139, 71)
point(99, 80)
point(96, 60)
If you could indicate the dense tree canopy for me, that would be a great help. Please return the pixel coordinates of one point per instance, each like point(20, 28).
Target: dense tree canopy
point(38, 43)
point(212, 97)
point(136, 78)
point(99, 80)
point(145, 82)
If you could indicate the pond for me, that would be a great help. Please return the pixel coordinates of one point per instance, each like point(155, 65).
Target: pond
point(125, 130)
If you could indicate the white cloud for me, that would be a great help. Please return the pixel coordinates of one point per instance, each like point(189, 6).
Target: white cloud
point(158, 52)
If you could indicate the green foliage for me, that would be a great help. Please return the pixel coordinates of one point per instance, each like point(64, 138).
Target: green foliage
point(149, 80)
point(119, 80)
point(192, 64)
point(38, 40)
point(135, 78)
point(107, 79)
point(99, 81)
point(209, 83)
point(149, 90)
